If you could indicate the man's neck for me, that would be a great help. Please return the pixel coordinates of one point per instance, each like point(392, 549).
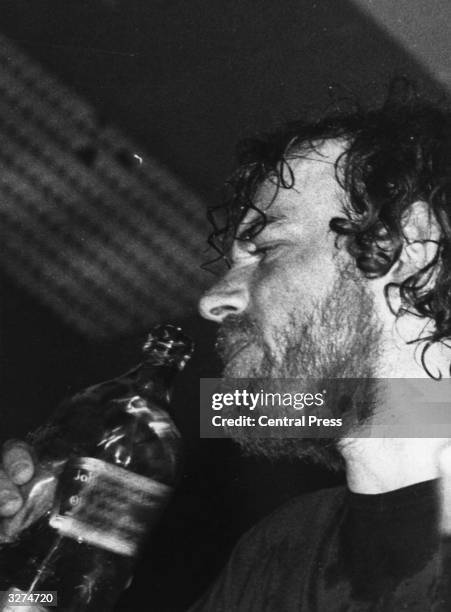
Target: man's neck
point(382, 464)
point(379, 465)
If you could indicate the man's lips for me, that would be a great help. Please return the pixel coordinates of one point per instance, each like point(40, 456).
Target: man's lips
point(228, 349)
point(230, 356)
point(236, 333)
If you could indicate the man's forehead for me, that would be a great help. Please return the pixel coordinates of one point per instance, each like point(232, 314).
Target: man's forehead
point(313, 185)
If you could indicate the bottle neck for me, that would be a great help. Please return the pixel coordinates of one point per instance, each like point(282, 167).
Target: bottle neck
point(155, 380)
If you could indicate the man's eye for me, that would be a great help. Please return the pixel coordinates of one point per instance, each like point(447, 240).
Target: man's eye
point(265, 249)
point(258, 250)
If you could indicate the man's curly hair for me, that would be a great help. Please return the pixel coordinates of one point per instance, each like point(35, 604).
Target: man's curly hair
point(393, 156)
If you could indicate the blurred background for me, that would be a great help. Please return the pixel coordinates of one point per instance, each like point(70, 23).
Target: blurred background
point(118, 125)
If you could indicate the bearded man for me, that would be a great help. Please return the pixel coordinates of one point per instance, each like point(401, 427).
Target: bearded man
point(340, 268)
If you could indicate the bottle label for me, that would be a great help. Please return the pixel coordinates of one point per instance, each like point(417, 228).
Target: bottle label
point(107, 506)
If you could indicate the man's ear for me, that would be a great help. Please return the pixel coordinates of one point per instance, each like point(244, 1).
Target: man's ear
point(421, 232)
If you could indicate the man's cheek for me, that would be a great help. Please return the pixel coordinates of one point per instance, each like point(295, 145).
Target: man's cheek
point(274, 312)
point(275, 297)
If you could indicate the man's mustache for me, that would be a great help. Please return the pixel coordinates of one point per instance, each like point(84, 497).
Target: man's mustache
point(234, 333)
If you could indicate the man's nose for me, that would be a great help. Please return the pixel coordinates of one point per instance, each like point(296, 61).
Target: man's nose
point(228, 296)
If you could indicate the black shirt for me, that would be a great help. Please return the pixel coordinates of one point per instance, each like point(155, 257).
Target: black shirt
point(337, 551)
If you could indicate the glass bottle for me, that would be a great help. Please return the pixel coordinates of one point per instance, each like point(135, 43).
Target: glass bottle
point(117, 454)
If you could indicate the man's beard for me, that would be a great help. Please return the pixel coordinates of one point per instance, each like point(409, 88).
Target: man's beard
point(339, 339)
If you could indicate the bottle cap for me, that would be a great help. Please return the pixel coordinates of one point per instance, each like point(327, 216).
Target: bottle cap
point(168, 343)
